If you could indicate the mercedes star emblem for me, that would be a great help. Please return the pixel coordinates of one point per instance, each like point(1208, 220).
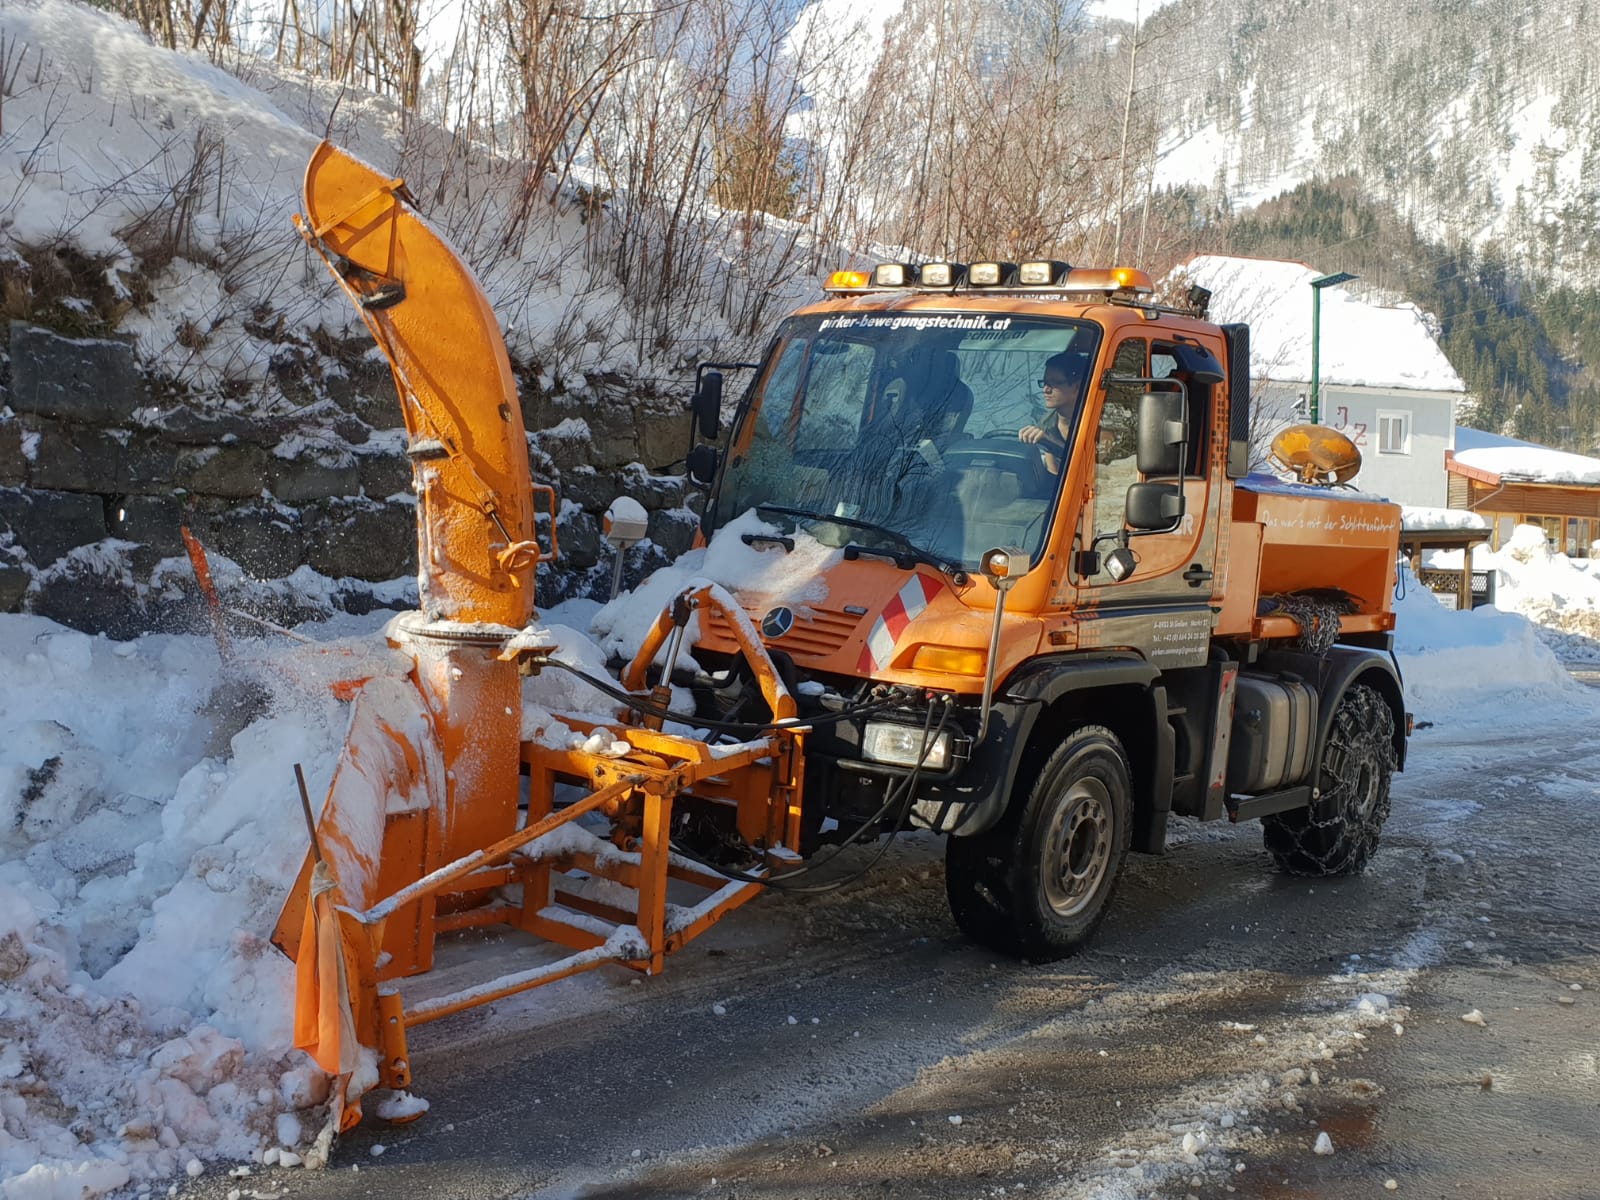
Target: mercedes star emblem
point(777, 622)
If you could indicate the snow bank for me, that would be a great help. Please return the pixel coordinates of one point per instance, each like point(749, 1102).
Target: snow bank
point(1560, 595)
point(1473, 665)
point(149, 829)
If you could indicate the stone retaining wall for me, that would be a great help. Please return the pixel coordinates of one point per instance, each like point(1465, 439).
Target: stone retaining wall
point(100, 466)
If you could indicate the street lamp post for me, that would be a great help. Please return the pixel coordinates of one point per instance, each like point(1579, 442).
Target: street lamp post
point(1317, 284)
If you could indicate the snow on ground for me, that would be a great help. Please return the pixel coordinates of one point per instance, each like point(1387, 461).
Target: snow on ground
point(146, 1018)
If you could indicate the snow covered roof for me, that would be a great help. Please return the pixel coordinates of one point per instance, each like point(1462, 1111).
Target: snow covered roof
point(1422, 518)
point(1359, 344)
point(1527, 463)
point(1468, 438)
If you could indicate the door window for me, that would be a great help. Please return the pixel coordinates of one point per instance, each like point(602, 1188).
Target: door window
point(1114, 446)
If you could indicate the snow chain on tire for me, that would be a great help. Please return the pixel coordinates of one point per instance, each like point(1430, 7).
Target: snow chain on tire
point(1357, 762)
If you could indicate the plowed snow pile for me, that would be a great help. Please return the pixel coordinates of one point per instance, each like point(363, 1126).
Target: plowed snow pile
point(143, 1015)
point(1560, 594)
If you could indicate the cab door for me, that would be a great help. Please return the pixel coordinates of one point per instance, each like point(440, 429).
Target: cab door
point(1163, 608)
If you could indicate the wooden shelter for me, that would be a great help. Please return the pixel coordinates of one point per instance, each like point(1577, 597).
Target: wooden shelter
point(1470, 588)
point(1568, 512)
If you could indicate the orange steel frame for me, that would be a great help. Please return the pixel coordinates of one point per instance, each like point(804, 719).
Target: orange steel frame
point(420, 828)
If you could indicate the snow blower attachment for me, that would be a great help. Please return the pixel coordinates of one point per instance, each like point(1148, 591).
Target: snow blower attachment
point(426, 828)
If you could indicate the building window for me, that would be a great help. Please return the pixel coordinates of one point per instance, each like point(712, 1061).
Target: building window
point(1394, 433)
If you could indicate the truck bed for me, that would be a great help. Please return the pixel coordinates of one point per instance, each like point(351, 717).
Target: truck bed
point(1287, 538)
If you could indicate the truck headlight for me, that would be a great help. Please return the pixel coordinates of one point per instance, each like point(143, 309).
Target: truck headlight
point(901, 745)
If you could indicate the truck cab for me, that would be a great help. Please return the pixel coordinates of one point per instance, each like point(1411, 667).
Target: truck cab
point(1010, 528)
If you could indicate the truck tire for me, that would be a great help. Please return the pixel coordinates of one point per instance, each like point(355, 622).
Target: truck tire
point(1037, 885)
point(1357, 763)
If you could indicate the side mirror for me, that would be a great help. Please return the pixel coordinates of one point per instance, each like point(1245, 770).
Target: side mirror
point(1162, 433)
point(1198, 363)
point(702, 464)
point(1153, 507)
point(707, 405)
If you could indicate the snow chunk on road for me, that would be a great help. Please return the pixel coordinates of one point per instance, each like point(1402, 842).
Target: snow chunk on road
point(401, 1106)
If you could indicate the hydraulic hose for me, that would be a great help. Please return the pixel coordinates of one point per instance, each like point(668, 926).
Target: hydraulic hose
point(902, 797)
point(650, 708)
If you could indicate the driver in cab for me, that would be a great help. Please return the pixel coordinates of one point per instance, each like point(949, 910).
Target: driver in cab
point(1062, 384)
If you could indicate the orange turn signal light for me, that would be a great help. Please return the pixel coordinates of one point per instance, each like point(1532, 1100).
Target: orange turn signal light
point(949, 660)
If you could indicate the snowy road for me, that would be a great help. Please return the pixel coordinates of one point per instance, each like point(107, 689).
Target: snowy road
point(1198, 1049)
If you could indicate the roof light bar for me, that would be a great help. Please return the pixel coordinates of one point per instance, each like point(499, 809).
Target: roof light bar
point(1033, 274)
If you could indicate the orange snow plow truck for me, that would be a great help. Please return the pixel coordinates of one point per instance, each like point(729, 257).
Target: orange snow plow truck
point(1013, 584)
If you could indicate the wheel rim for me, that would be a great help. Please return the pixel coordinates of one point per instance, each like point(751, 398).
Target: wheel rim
point(1076, 848)
point(1366, 791)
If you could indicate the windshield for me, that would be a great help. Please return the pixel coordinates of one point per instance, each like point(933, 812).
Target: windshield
point(924, 433)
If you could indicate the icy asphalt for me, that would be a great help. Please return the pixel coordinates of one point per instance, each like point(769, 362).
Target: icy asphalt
point(825, 1046)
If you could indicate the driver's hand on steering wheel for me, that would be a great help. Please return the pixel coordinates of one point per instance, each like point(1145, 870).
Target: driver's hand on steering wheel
point(1031, 433)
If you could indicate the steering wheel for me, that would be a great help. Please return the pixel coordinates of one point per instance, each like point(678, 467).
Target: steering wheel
point(1025, 460)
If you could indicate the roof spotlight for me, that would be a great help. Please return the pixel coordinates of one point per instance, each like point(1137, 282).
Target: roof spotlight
point(989, 274)
point(939, 274)
point(890, 275)
point(1041, 272)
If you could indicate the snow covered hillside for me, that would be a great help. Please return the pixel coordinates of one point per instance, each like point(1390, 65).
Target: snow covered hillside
point(158, 164)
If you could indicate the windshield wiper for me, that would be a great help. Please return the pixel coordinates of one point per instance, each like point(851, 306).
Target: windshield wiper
point(905, 555)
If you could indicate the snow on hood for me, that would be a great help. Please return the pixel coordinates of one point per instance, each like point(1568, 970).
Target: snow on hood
point(754, 574)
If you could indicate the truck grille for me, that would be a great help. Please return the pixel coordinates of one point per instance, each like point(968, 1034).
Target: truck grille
point(817, 632)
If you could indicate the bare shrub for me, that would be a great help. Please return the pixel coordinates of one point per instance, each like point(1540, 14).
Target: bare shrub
point(165, 230)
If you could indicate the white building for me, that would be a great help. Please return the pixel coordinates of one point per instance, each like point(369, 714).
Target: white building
point(1383, 381)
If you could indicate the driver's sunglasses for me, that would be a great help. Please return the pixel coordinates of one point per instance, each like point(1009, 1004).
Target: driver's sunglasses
point(1054, 386)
